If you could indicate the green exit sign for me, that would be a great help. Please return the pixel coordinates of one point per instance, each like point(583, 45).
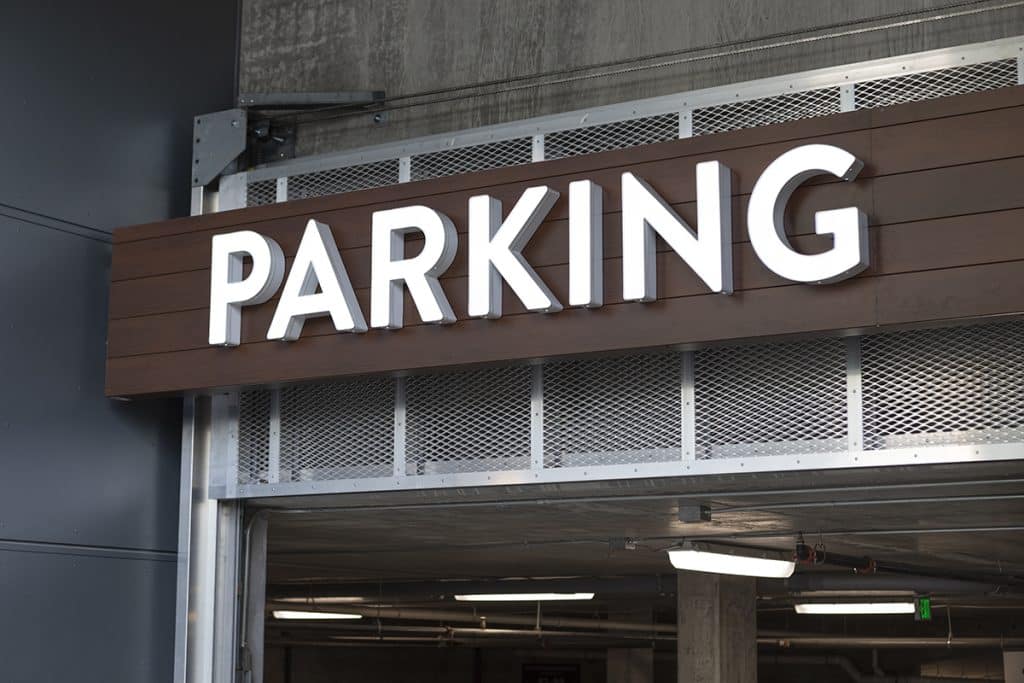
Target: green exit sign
point(923, 609)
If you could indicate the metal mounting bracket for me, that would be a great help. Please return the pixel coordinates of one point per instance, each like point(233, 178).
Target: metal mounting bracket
point(218, 139)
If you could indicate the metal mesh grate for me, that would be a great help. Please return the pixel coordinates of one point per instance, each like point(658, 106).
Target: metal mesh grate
point(342, 430)
point(261, 192)
point(770, 400)
point(958, 385)
point(767, 110)
point(617, 135)
point(470, 159)
point(253, 437)
point(345, 179)
point(611, 412)
point(468, 421)
point(940, 83)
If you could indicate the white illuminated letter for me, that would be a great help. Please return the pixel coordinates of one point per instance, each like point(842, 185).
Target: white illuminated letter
point(390, 270)
point(317, 264)
point(708, 252)
point(495, 252)
point(586, 275)
point(229, 291)
point(766, 217)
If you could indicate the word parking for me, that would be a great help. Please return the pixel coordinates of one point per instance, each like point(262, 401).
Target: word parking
point(318, 283)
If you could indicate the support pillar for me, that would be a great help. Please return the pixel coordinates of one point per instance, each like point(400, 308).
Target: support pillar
point(1013, 667)
point(630, 665)
point(717, 620)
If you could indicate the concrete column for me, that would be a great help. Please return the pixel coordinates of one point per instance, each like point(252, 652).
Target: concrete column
point(630, 665)
point(717, 618)
point(635, 664)
point(1013, 667)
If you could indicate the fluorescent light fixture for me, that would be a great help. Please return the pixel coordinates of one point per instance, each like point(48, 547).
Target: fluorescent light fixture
point(293, 614)
point(719, 559)
point(522, 597)
point(327, 600)
point(855, 608)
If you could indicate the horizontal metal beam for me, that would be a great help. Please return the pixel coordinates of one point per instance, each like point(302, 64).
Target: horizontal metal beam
point(302, 100)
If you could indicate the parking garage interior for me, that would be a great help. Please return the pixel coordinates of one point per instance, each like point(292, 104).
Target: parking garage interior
point(394, 569)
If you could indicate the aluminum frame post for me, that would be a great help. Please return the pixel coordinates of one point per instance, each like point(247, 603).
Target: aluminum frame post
point(255, 598)
point(197, 546)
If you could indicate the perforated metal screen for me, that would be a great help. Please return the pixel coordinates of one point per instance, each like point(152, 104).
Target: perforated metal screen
point(474, 158)
point(808, 399)
point(254, 437)
point(341, 430)
point(765, 111)
point(617, 135)
point(468, 421)
point(261, 192)
point(612, 411)
point(957, 385)
point(939, 83)
point(345, 179)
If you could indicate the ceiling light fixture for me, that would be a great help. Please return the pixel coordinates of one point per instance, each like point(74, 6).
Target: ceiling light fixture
point(855, 608)
point(698, 556)
point(294, 614)
point(326, 600)
point(522, 597)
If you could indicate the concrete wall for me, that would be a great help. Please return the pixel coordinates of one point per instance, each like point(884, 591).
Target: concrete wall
point(98, 100)
point(407, 47)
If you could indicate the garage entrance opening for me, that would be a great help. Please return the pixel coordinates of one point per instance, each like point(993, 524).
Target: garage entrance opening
point(573, 583)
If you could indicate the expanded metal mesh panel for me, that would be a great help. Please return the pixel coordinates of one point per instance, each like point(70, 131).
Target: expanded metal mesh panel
point(939, 83)
point(767, 110)
point(473, 158)
point(253, 437)
point(617, 135)
point(468, 421)
point(345, 179)
point(775, 399)
point(958, 385)
point(612, 412)
point(341, 430)
point(261, 192)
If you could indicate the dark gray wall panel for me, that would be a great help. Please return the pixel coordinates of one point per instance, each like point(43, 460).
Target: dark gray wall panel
point(98, 105)
point(77, 468)
point(85, 619)
point(99, 99)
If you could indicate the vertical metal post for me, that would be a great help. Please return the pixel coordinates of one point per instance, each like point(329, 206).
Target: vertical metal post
point(196, 201)
point(226, 612)
point(847, 97)
point(689, 416)
point(1020, 66)
point(255, 596)
point(404, 169)
point(537, 418)
point(537, 149)
point(223, 482)
point(854, 399)
point(234, 191)
point(197, 546)
point(274, 440)
point(686, 123)
point(399, 460)
point(281, 191)
point(224, 446)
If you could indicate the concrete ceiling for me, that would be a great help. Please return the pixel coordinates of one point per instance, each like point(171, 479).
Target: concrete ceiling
point(963, 519)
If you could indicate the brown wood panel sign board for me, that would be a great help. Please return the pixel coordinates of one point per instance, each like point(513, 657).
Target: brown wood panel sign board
point(919, 211)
